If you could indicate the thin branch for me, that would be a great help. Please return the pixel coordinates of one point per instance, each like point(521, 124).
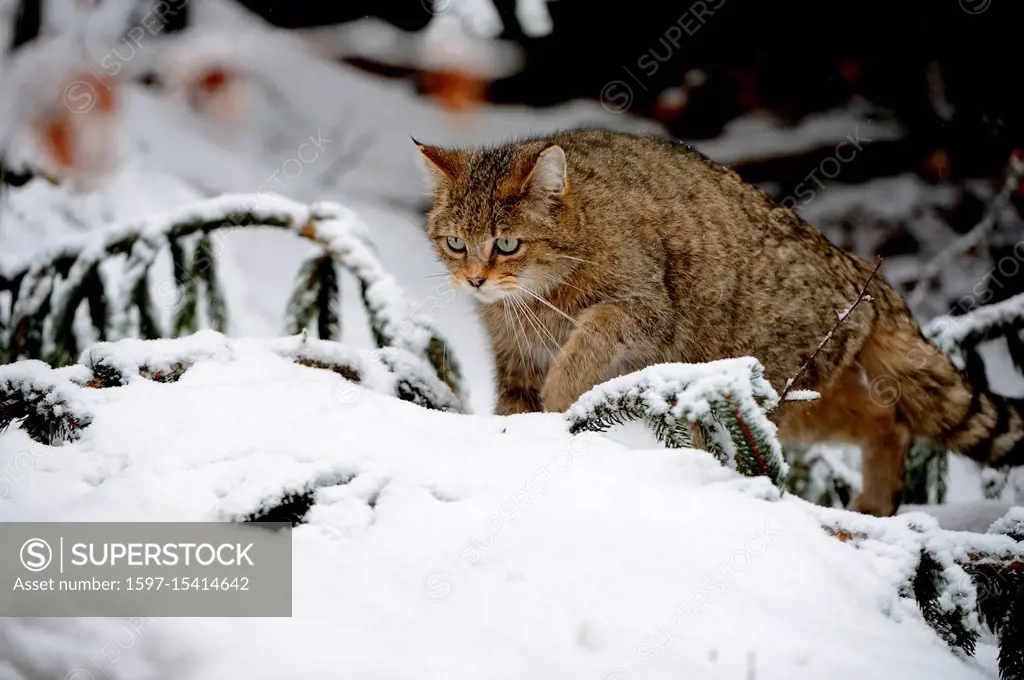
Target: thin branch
point(348, 160)
point(839, 322)
point(974, 237)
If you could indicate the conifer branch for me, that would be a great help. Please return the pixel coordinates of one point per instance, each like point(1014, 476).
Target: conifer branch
point(328, 300)
point(750, 442)
point(44, 403)
point(186, 313)
point(959, 336)
point(204, 269)
point(927, 467)
point(958, 579)
point(142, 302)
point(317, 297)
point(334, 228)
point(179, 265)
point(726, 400)
point(930, 576)
point(47, 403)
point(301, 308)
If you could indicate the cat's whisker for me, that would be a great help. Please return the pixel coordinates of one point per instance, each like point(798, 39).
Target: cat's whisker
point(549, 305)
point(552, 279)
point(434, 276)
point(524, 348)
point(536, 322)
point(577, 259)
point(563, 282)
point(506, 314)
point(515, 333)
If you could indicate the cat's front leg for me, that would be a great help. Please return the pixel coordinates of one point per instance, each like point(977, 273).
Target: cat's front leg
point(513, 400)
point(519, 383)
point(606, 334)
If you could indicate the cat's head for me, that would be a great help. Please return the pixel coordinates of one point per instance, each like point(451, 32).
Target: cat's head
point(502, 218)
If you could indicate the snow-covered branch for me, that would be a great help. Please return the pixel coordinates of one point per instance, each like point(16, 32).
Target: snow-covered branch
point(51, 404)
point(923, 567)
point(957, 579)
point(42, 401)
point(957, 336)
point(724, 403)
point(47, 293)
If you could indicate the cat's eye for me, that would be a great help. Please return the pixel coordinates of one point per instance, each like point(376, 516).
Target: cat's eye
point(456, 244)
point(506, 246)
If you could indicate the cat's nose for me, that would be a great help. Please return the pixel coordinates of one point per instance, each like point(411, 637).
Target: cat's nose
point(475, 281)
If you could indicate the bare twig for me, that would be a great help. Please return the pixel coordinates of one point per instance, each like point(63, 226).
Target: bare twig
point(839, 322)
point(355, 149)
point(974, 237)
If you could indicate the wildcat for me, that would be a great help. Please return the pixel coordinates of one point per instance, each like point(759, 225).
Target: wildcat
point(593, 254)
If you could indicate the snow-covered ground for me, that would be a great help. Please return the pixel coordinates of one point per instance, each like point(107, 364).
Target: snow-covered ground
point(461, 547)
point(624, 561)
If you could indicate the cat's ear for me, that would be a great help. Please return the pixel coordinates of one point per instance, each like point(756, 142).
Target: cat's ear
point(548, 176)
point(441, 163)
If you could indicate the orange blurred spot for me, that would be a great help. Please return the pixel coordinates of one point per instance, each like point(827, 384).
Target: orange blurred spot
point(87, 98)
point(458, 92)
point(216, 92)
point(106, 99)
point(213, 80)
point(58, 140)
point(938, 163)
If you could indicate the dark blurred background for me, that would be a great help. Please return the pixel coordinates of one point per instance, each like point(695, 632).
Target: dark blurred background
point(947, 72)
point(793, 58)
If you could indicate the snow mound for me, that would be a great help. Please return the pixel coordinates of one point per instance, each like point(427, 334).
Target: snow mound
point(451, 546)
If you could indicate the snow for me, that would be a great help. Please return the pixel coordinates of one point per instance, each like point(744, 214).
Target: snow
point(759, 135)
point(446, 44)
point(828, 462)
point(1010, 523)
point(698, 383)
point(975, 516)
point(802, 395)
point(36, 378)
point(455, 546)
point(127, 356)
point(534, 18)
point(460, 546)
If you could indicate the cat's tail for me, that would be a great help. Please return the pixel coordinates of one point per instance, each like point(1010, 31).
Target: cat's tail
point(938, 402)
point(991, 431)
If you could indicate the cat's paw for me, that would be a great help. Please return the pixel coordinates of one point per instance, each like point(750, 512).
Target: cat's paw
point(557, 397)
point(873, 506)
point(511, 407)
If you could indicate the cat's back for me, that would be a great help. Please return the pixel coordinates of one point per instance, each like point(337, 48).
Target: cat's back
point(632, 157)
point(651, 175)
